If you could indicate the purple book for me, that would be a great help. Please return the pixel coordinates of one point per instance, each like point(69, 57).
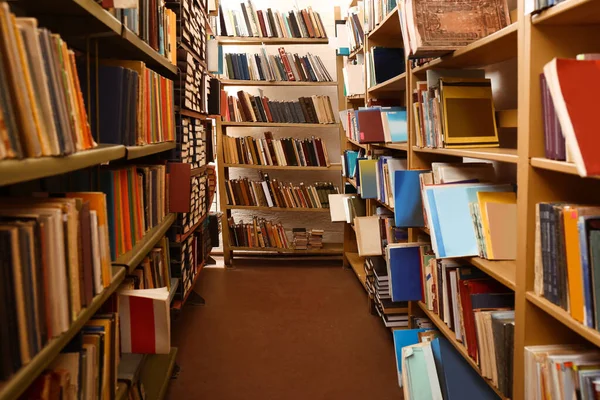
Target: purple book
point(555, 142)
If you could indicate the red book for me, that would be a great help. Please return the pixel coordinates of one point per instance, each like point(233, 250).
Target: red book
point(370, 126)
point(124, 211)
point(265, 101)
point(261, 21)
point(224, 106)
point(180, 189)
point(308, 23)
point(320, 153)
point(286, 64)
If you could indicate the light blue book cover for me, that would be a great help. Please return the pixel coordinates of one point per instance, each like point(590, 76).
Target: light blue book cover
point(419, 386)
point(450, 219)
point(403, 338)
point(368, 178)
point(408, 203)
point(398, 125)
point(351, 157)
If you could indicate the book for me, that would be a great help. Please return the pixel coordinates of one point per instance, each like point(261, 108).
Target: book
point(367, 236)
point(260, 233)
point(404, 270)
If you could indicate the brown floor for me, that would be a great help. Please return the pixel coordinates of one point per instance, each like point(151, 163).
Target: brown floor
point(282, 332)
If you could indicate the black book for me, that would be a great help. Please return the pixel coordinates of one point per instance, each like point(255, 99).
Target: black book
point(229, 64)
point(310, 70)
point(214, 97)
point(281, 68)
point(292, 105)
point(305, 115)
point(257, 113)
point(9, 336)
point(261, 109)
point(275, 111)
point(222, 22)
point(294, 26)
point(310, 148)
point(261, 73)
point(271, 22)
point(235, 66)
point(289, 152)
point(299, 112)
point(244, 67)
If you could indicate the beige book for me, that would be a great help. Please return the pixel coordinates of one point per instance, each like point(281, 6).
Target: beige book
point(368, 236)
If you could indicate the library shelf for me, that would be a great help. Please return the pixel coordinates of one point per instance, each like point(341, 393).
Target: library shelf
point(122, 391)
point(352, 182)
point(572, 12)
point(557, 166)
point(173, 289)
point(502, 271)
point(564, 317)
point(492, 49)
point(356, 143)
point(264, 208)
point(357, 264)
point(484, 153)
point(26, 169)
point(328, 248)
point(392, 146)
point(356, 52)
point(269, 40)
point(356, 97)
point(239, 82)
point(199, 171)
point(134, 152)
point(331, 167)
point(395, 84)
point(145, 52)
point(156, 374)
point(449, 334)
point(181, 238)
point(388, 27)
point(277, 125)
point(24, 377)
point(134, 257)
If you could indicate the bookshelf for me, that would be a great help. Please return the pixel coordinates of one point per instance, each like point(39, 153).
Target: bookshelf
point(134, 152)
point(276, 125)
point(238, 82)
point(269, 40)
point(285, 209)
point(284, 167)
point(156, 373)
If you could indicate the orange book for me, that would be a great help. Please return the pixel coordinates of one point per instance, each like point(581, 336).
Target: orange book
point(119, 227)
point(124, 210)
point(574, 270)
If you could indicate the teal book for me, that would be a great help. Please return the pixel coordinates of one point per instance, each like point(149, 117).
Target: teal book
point(403, 338)
point(368, 178)
point(421, 375)
point(398, 125)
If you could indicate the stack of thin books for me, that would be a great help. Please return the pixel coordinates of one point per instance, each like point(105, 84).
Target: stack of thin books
point(300, 238)
point(316, 239)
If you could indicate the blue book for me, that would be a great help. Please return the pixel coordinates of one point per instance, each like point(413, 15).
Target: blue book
point(458, 380)
point(403, 338)
point(110, 88)
point(351, 157)
point(398, 126)
point(404, 271)
point(408, 203)
point(388, 63)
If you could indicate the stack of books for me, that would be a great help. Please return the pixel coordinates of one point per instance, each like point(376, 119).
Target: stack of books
point(192, 88)
point(154, 270)
point(309, 152)
point(269, 192)
point(184, 261)
point(300, 238)
point(393, 313)
point(135, 104)
point(284, 66)
point(376, 11)
point(375, 124)
point(193, 141)
point(191, 30)
point(315, 109)
point(315, 240)
point(258, 233)
point(43, 117)
point(444, 110)
point(248, 21)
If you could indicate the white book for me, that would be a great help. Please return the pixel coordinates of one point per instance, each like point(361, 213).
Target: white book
point(265, 187)
point(96, 251)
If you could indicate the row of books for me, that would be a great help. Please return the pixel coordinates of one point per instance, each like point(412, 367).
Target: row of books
point(304, 240)
point(282, 67)
point(136, 200)
point(274, 193)
point(191, 25)
point(345, 207)
point(315, 109)
point(354, 77)
point(42, 112)
point(308, 152)
point(444, 107)
point(383, 64)
point(375, 11)
point(429, 29)
point(260, 233)
point(154, 271)
point(198, 205)
point(375, 124)
point(135, 104)
point(568, 131)
point(248, 21)
point(56, 257)
point(194, 142)
point(193, 86)
point(354, 25)
point(373, 233)
point(567, 254)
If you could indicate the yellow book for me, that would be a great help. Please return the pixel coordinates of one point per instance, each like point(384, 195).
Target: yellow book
point(499, 223)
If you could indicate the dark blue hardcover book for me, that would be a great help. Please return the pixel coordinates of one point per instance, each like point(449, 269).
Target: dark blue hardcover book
point(110, 88)
point(309, 68)
point(492, 300)
point(259, 66)
point(235, 65)
point(245, 67)
point(388, 62)
point(127, 107)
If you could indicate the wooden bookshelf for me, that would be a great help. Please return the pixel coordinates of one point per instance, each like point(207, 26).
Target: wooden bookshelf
point(193, 114)
point(357, 144)
point(392, 146)
point(239, 82)
point(395, 84)
point(356, 52)
point(357, 263)
point(231, 40)
point(381, 203)
point(572, 12)
point(178, 304)
point(134, 152)
point(557, 166)
point(449, 334)
point(483, 153)
point(199, 171)
point(389, 27)
point(328, 248)
point(332, 167)
point(134, 257)
point(502, 271)
point(156, 374)
point(277, 125)
point(356, 97)
point(284, 209)
point(23, 378)
point(26, 169)
point(182, 237)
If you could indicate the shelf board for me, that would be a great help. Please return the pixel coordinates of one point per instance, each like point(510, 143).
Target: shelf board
point(15, 171)
point(194, 114)
point(145, 52)
point(357, 263)
point(356, 143)
point(483, 153)
point(134, 257)
point(381, 203)
point(355, 97)
point(565, 318)
point(277, 125)
point(571, 12)
point(156, 374)
point(392, 146)
point(328, 248)
point(178, 304)
point(23, 378)
point(502, 271)
point(263, 208)
point(425, 230)
point(199, 171)
point(492, 49)
point(396, 84)
point(269, 40)
point(449, 334)
point(238, 82)
point(332, 167)
point(134, 152)
point(354, 53)
point(352, 182)
point(389, 27)
point(557, 166)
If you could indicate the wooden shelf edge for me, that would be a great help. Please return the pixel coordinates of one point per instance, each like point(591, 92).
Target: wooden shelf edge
point(24, 377)
point(487, 153)
point(502, 271)
point(550, 15)
point(557, 166)
point(332, 167)
point(357, 144)
point(135, 256)
point(266, 208)
point(387, 20)
point(181, 238)
point(385, 85)
point(354, 53)
point(357, 264)
point(134, 152)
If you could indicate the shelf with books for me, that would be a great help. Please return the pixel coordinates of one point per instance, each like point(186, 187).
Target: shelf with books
point(178, 304)
point(238, 82)
point(564, 317)
point(388, 28)
point(181, 238)
point(502, 271)
point(356, 97)
point(134, 152)
point(134, 257)
point(233, 40)
point(571, 12)
point(396, 84)
point(276, 124)
point(15, 171)
point(497, 47)
point(328, 248)
point(199, 171)
point(357, 264)
point(392, 146)
point(449, 334)
point(263, 208)
point(332, 167)
point(356, 52)
point(557, 166)
point(193, 114)
point(484, 153)
point(357, 144)
point(156, 374)
point(20, 381)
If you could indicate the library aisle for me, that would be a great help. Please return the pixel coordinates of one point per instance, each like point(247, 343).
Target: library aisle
point(274, 331)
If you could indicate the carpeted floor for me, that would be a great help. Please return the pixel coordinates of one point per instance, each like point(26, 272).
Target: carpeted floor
point(282, 332)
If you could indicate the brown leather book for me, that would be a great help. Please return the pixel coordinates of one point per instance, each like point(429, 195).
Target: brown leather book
point(308, 23)
point(265, 102)
point(180, 189)
point(320, 152)
point(261, 21)
point(269, 139)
